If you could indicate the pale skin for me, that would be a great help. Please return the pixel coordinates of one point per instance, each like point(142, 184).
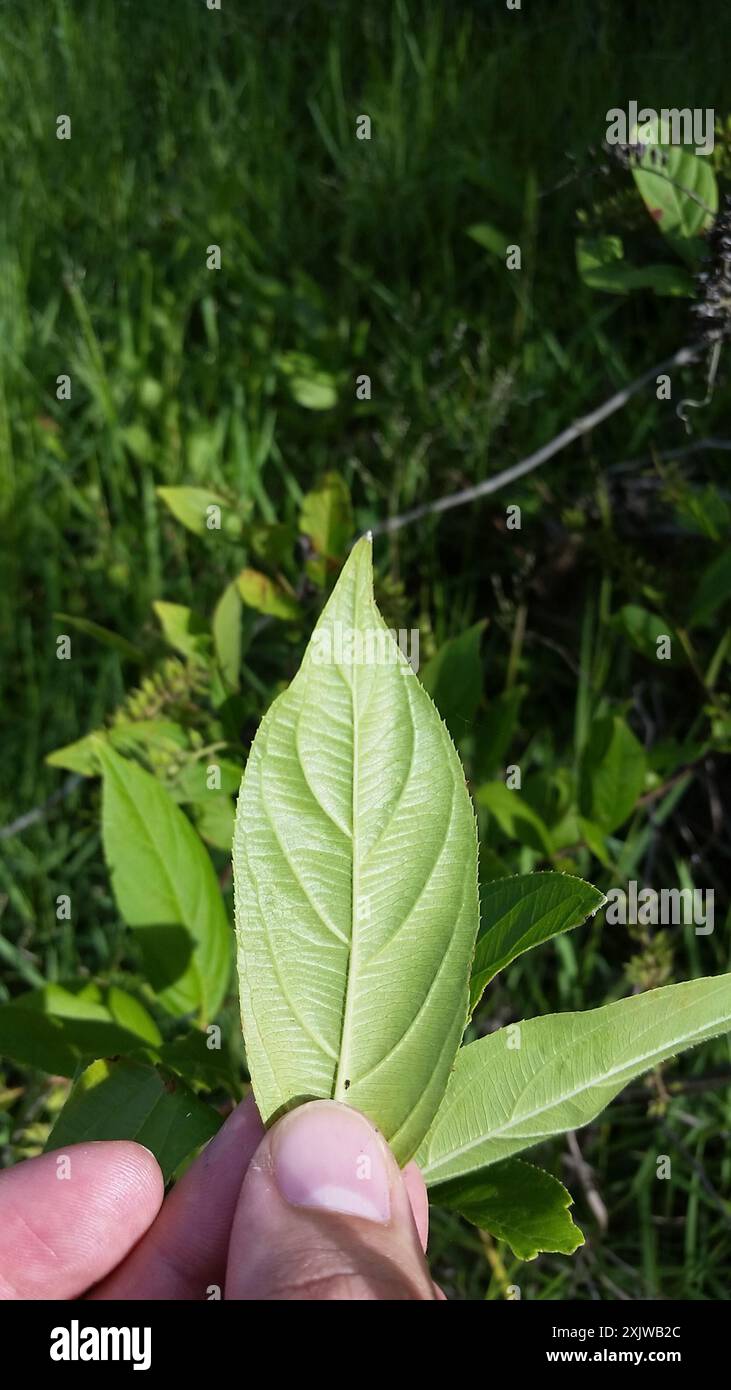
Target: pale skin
point(315, 1209)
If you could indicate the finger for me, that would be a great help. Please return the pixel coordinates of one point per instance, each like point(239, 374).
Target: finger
point(416, 1189)
point(68, 1217)
point(183, 1256)
point(324, 1213)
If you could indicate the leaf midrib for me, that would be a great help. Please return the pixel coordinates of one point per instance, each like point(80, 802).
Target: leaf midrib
point(601, 1080)
point(342, 1079)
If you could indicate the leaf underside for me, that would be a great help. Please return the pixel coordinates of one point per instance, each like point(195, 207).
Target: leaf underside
point(355, 869)
point(513, 1089)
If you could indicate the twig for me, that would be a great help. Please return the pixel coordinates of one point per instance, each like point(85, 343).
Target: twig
point(492, 1255)
point(585, 1175)
point(687, 1086)
point(671, 782)
point(635, 164)
point(698, 446)
point(681, 410)
point(581, 426)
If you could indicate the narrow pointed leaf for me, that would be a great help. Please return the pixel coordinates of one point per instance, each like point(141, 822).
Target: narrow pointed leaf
point(355, 865)
point(519, 1203)
point(511, 1090)
point(227, 634)
point(519, 913)
point(166, 889)
point(101, 634)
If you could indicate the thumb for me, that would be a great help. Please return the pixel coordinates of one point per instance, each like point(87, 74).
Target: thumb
point(324, 1214)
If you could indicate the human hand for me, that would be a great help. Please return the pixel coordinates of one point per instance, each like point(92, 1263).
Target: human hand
point(315, 1209)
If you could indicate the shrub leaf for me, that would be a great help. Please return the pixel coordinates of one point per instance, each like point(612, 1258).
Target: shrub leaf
point(355, 866)
point(513, 1089)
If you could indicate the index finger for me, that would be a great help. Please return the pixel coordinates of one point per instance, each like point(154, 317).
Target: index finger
point(68, 1217)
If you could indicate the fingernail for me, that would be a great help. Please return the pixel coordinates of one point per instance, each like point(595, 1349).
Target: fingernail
point(329, 1157)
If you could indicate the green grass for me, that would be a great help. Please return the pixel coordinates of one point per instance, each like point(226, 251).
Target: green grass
point(238, 128)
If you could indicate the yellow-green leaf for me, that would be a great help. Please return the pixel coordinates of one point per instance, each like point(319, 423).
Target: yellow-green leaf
point(258, 591)
point(355, 864)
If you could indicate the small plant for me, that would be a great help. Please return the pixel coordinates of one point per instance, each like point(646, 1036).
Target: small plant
point(359, 955)
point(364, 948)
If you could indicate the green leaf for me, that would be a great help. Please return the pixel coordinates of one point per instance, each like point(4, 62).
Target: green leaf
point(130, 1099)
point(104, 635)
point(667, 281)
point(326, 518)
point(311, 386)
point(681, 195)
point(594, 839)
point(601, 265)
point(200, 510)
point(525, 1083)
point(214, 820)
point(316, 391)
point(129, 1013)
point(80, 756)
point(83, 755)
point(267, 596)
point(183, 629)
point(139, 442)
point(519, 1203)
point(227, 634)
point(515, 817)
point(598, 260)
point(454, 679)
point(36, 1040)
point(489, 236)
point(713, 590)
point(491, 865)
point(198, 1061)
point(642, 628)
point(496, 730)
point(520, 913)
point(57, 1027)
point(612, 774)
point(192, 782)
point(166, 889)
point(272, 543)
point(355, 867)
point(150, 734)
point(87, 1001)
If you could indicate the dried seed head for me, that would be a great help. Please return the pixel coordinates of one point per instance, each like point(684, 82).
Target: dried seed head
point(712, 309)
